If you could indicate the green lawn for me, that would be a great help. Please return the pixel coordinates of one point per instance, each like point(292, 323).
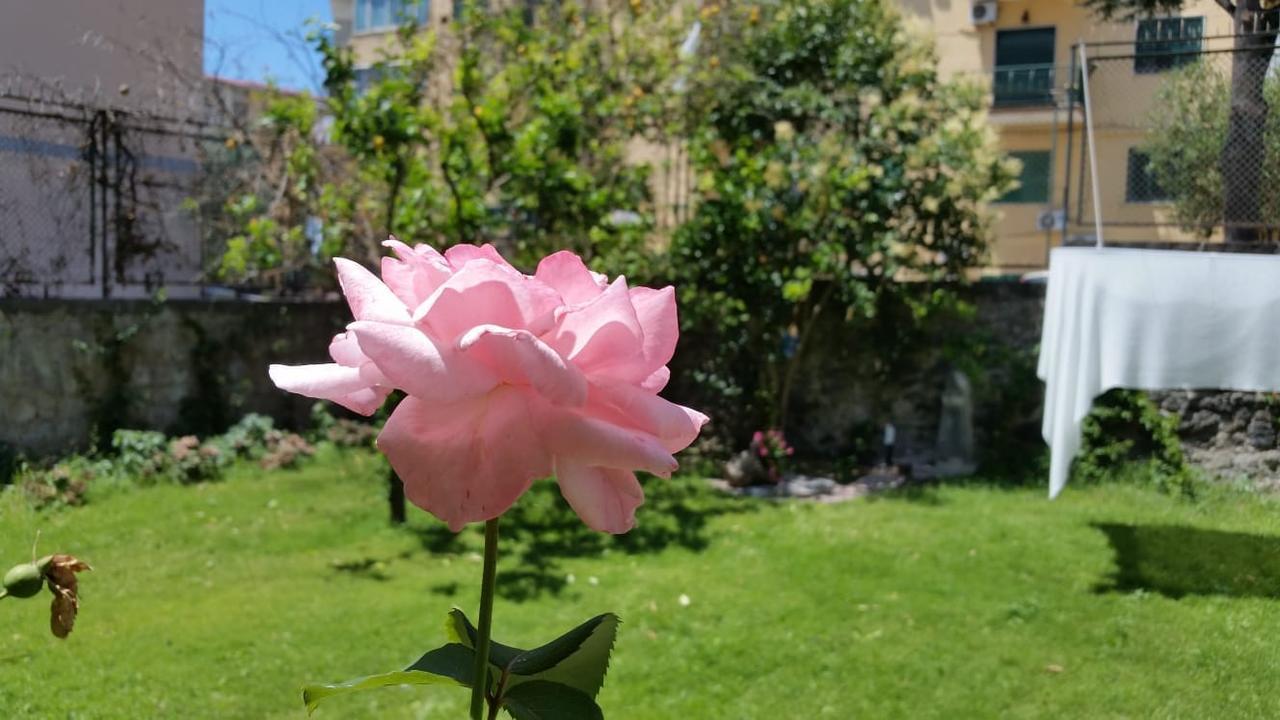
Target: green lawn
point(222, 600)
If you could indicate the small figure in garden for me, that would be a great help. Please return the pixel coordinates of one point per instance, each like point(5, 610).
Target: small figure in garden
point(890, 438)
point(955, 453)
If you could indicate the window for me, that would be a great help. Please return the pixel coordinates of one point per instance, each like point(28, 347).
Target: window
point(1024, 67)
point(376, 14)
point(1167, 43)
point(1140, 184)
point(1033, 182)
point(460, 5)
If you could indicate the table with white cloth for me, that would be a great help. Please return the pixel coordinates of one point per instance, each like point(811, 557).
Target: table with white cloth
point(1151, 320)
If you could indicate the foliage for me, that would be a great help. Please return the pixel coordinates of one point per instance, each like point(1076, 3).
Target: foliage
point(148, 457)
point(1186, 139)
point(1127, 435)
point(955, 602)
point(834, 170)
point(248, 437)
point(555, 681)
point(507, 125)
point(342, 432)
point(284, 450)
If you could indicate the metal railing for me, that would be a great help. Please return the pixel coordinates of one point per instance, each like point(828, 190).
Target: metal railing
point(1023, 85)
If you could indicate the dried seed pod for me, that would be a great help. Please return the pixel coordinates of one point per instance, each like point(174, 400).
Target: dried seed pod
point(61, 574)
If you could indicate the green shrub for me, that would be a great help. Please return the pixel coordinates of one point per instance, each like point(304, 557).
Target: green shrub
point(248, 438)
point(285, 450)
point(143, 455)
point(1126, 437)
point(148, 458)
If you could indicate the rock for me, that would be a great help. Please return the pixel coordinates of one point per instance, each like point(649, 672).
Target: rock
point(745, 469)
point(1201, 426)
point(1176, 403)
point(802, 486)
point(1261, 431)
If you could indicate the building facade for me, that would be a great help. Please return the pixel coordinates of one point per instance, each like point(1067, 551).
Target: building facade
point(1025, 51)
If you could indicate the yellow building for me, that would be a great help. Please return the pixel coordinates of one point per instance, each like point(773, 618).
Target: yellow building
point(1025, 50)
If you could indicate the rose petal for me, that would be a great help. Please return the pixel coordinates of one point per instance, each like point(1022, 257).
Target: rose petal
point(605, 498)
point(516, 356)
point(346, 351)
point(566, 273)
point(412, 362)
point(329, 381)
point(466, 461)
point(656, 311)
point(577, 438)
point(460, 255)
point(657, 380)
point(369, 297)
point(675, 426)
point(484, 293)
point(414, 273)
point(603, 335)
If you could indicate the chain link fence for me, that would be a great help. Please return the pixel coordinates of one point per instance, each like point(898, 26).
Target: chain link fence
point(1186, 134)
point(95, 202)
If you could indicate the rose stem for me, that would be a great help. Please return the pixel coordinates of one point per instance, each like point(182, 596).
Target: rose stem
point(481, 674)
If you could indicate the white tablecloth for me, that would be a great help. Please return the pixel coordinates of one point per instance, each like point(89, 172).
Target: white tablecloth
point(1151, 320)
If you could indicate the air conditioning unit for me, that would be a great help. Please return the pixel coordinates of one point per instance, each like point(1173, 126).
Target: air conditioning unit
point(983, 13)
point(1051, 220)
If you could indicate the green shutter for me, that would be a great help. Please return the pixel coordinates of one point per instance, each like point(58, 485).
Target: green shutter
point(1034, 180)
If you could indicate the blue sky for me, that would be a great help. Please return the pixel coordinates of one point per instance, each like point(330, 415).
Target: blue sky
point(262, 40)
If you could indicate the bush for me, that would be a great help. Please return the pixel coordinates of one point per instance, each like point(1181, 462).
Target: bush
point(285, 450)
point(65, 484)
point(1127, 437)
point(248, 438)
point(148, 457)
point(141, 454)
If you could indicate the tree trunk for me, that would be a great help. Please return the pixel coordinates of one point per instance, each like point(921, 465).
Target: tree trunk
point(1244, 153)
point(395, 497)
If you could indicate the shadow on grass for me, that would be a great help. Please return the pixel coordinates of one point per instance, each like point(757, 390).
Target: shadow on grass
point(541, 531)
point(1176, 560)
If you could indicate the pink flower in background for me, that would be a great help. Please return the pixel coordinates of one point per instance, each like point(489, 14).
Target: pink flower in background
point(509, 378)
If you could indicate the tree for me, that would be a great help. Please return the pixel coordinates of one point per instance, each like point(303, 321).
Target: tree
point(509, 126)
point(1188, 132)
point(1243, 155)
point(835, 173)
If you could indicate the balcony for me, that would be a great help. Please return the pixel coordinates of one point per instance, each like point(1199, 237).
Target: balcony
point(1024, 86)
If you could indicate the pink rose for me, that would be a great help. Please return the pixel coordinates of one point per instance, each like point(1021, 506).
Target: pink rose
point(509, 378)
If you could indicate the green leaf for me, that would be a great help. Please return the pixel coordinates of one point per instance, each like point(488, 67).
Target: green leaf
point(540, 659)
point(448, 665)
point(585, 666)
point(460, 630)
point(542, 700)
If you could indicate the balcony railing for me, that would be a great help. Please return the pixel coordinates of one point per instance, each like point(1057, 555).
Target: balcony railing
point(1024, 85)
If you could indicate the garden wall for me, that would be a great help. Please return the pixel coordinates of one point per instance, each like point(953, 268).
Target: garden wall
point(71, 368)
point(846, 396)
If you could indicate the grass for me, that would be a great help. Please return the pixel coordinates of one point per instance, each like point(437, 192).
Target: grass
point(222, 600)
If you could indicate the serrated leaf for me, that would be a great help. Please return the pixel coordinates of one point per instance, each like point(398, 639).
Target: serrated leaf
point(543, 700)
point(584, 669)
point(448, 665)
point(460, 630)
point(545, 657)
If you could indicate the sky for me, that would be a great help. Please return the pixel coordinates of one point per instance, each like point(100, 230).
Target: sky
point(261, 40)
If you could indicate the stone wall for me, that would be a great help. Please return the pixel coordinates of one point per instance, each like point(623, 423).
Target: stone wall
point(67, 367)
point(844, 400)
point(1229, 435)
